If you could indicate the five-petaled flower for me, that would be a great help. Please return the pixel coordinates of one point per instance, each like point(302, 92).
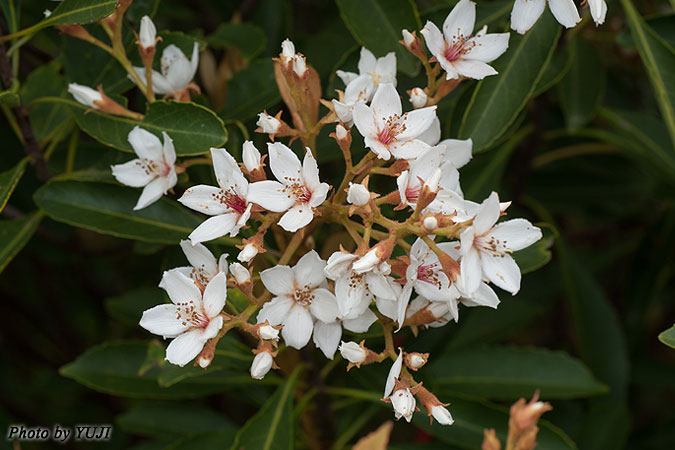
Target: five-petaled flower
point(176, 74)
point(154, 168)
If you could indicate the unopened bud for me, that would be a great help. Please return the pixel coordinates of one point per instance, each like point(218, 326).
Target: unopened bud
point(352, 352)
point(299, 65)
point(204, 362)
point(442, 415)
point(378, 254)
point(528, 441)
point(415, 360)
point(148, 33)
point(340, 132)
point(358, 194)
point(404, 404)
point(250, 156)
point(418, 98)
point(430, 223)
point(526, 415)
point(490, 441)
point(240, 273)
point(268, 332)
point(408, 38)
point(287, 51)
point(268, 124)
point(262, 363)
point(248, 253)
point(85, 95)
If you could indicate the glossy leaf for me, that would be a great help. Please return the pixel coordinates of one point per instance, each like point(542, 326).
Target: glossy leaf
point(193, 128)
point(251, 91)
point(45, 118)
point(108, 208)
point(497, 100)
point(377, 25)
point(555, 70)
point(248, 38)
point(15, 234)
point(272, 427)
point(583, 87)
point(668, 337)
point(658, 58)
point(8, 181)
point(508, 373)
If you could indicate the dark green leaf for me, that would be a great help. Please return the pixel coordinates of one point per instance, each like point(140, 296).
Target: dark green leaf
point(583, 87)
point(497, 100)
point(9, 180)
point(248, 38)
point(272, 427)
point(14, 234)
point(538, 254)
point(251, 91)
point(108, 208)
point(507, 373)
point(171, 419)
point(668, 337)
point(45, 118)
point(377, 25)
point(129, 307)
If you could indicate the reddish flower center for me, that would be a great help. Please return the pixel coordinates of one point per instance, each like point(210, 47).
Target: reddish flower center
point(299, 191)
point(412, 194)
point(428, 274)
point(230, 199)
point(491, 245)
point(188, 314)
point(392, 128)
point(457, 49)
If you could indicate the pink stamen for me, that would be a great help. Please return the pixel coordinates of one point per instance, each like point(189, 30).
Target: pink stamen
point(412, 194)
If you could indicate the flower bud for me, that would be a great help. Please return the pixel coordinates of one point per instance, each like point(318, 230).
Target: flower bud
point(299, 65)
point(418, 98)
point(268, 332)
point(268, 124)
point(47, 13)
point(408, 38)
point(203, 362)
point(442, 415)
point(352, 352)
point(526, 415)
point(404, 404)
point(378, 254)
point(240, 273)
point(415, 361)
point(430, 223)
point(262, 363)
point(248, 253)
point(85, 95)
point(358, 194)
point(251, 156)
point(340, 132)
point(148, 33)
point(287, 51)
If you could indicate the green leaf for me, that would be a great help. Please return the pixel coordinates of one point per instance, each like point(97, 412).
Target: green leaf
point(497, 100)
point(8, 181)
point(272, 427)
point(108, 208)
point(129, 307)
point(377, 25)
point(659, 59)
point(583, 87)
point(508, 373)
point(14, 234)
point(251, 91)
point(538, 254)
point(113, 368)
point(248, 38)
point(45, 118)
point(10, 97)
point(171, 419)
point(472, 417)
point(668, 337)
point(555, 70)
point(193, 128)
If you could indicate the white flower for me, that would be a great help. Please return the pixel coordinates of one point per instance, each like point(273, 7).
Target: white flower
point(598, 11)
point(352, 352)
point(327, 336)
point(394, 373)
point(408, 38)
point(418, 98)
point(85, 95)
point(227, 203)
point(177, 71)
point(148, 33)
point(377, 70)
point(192, 319)
point(431, 135)
point(354, 290)
point(358, 194)
point(297, 191)
point(457, 51)
point(268, 332)
point(240, 273)
point(456, 151)
point(442, 415)
point(287, 51)
point(486, 248)
point(250, 156)
point(268, 124)
point(404, 404)
point(262, 363)
point(360, 90)
point(526, 12)
point(288, 55)
point(386, 131)
point(247, 253)
point(203, 265)
point(298, 299)
point(153, 169)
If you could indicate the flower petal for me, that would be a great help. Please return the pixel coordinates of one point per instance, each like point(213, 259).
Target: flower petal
point(394, 373)
point(434, 39)
point(456, 151)
point(381, 150)
point(470, 271)
point(176, 67)
point(484, 296)
point(324, 305)
point(297, 217)
point(309, 270)
point(145, 144)
point(152, 192)
point(386, 103)
point(598, 11)
point(432, 134)
point(362, 323)
point(133, 173)
point(525, 13)
point(385, 68)
point(213, 227)
point(310, 171)
point(460, 21)
point(487, 215)
point(473, 69)
point(327, 336)
point(565, 12)
point(488, 47)
point(350, 293)
point(185, 347)
point(215, 295)
point(402, 304)
point(205, 199)
point(275, 310)
point(417, 122)
point(279, 280)
point(271, 195)
point(516, 234)
point(200, 257)
point(364, 119)
point(180, 288)
point(367, 61)
point(284, 164)
point(161, 320)
point(386, 307)
point(502, 271)
point(168, 150)
point(298, 326)
point(408, 149)
point(228, 173)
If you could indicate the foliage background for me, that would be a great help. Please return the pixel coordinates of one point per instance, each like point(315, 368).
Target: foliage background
point(590, 153)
